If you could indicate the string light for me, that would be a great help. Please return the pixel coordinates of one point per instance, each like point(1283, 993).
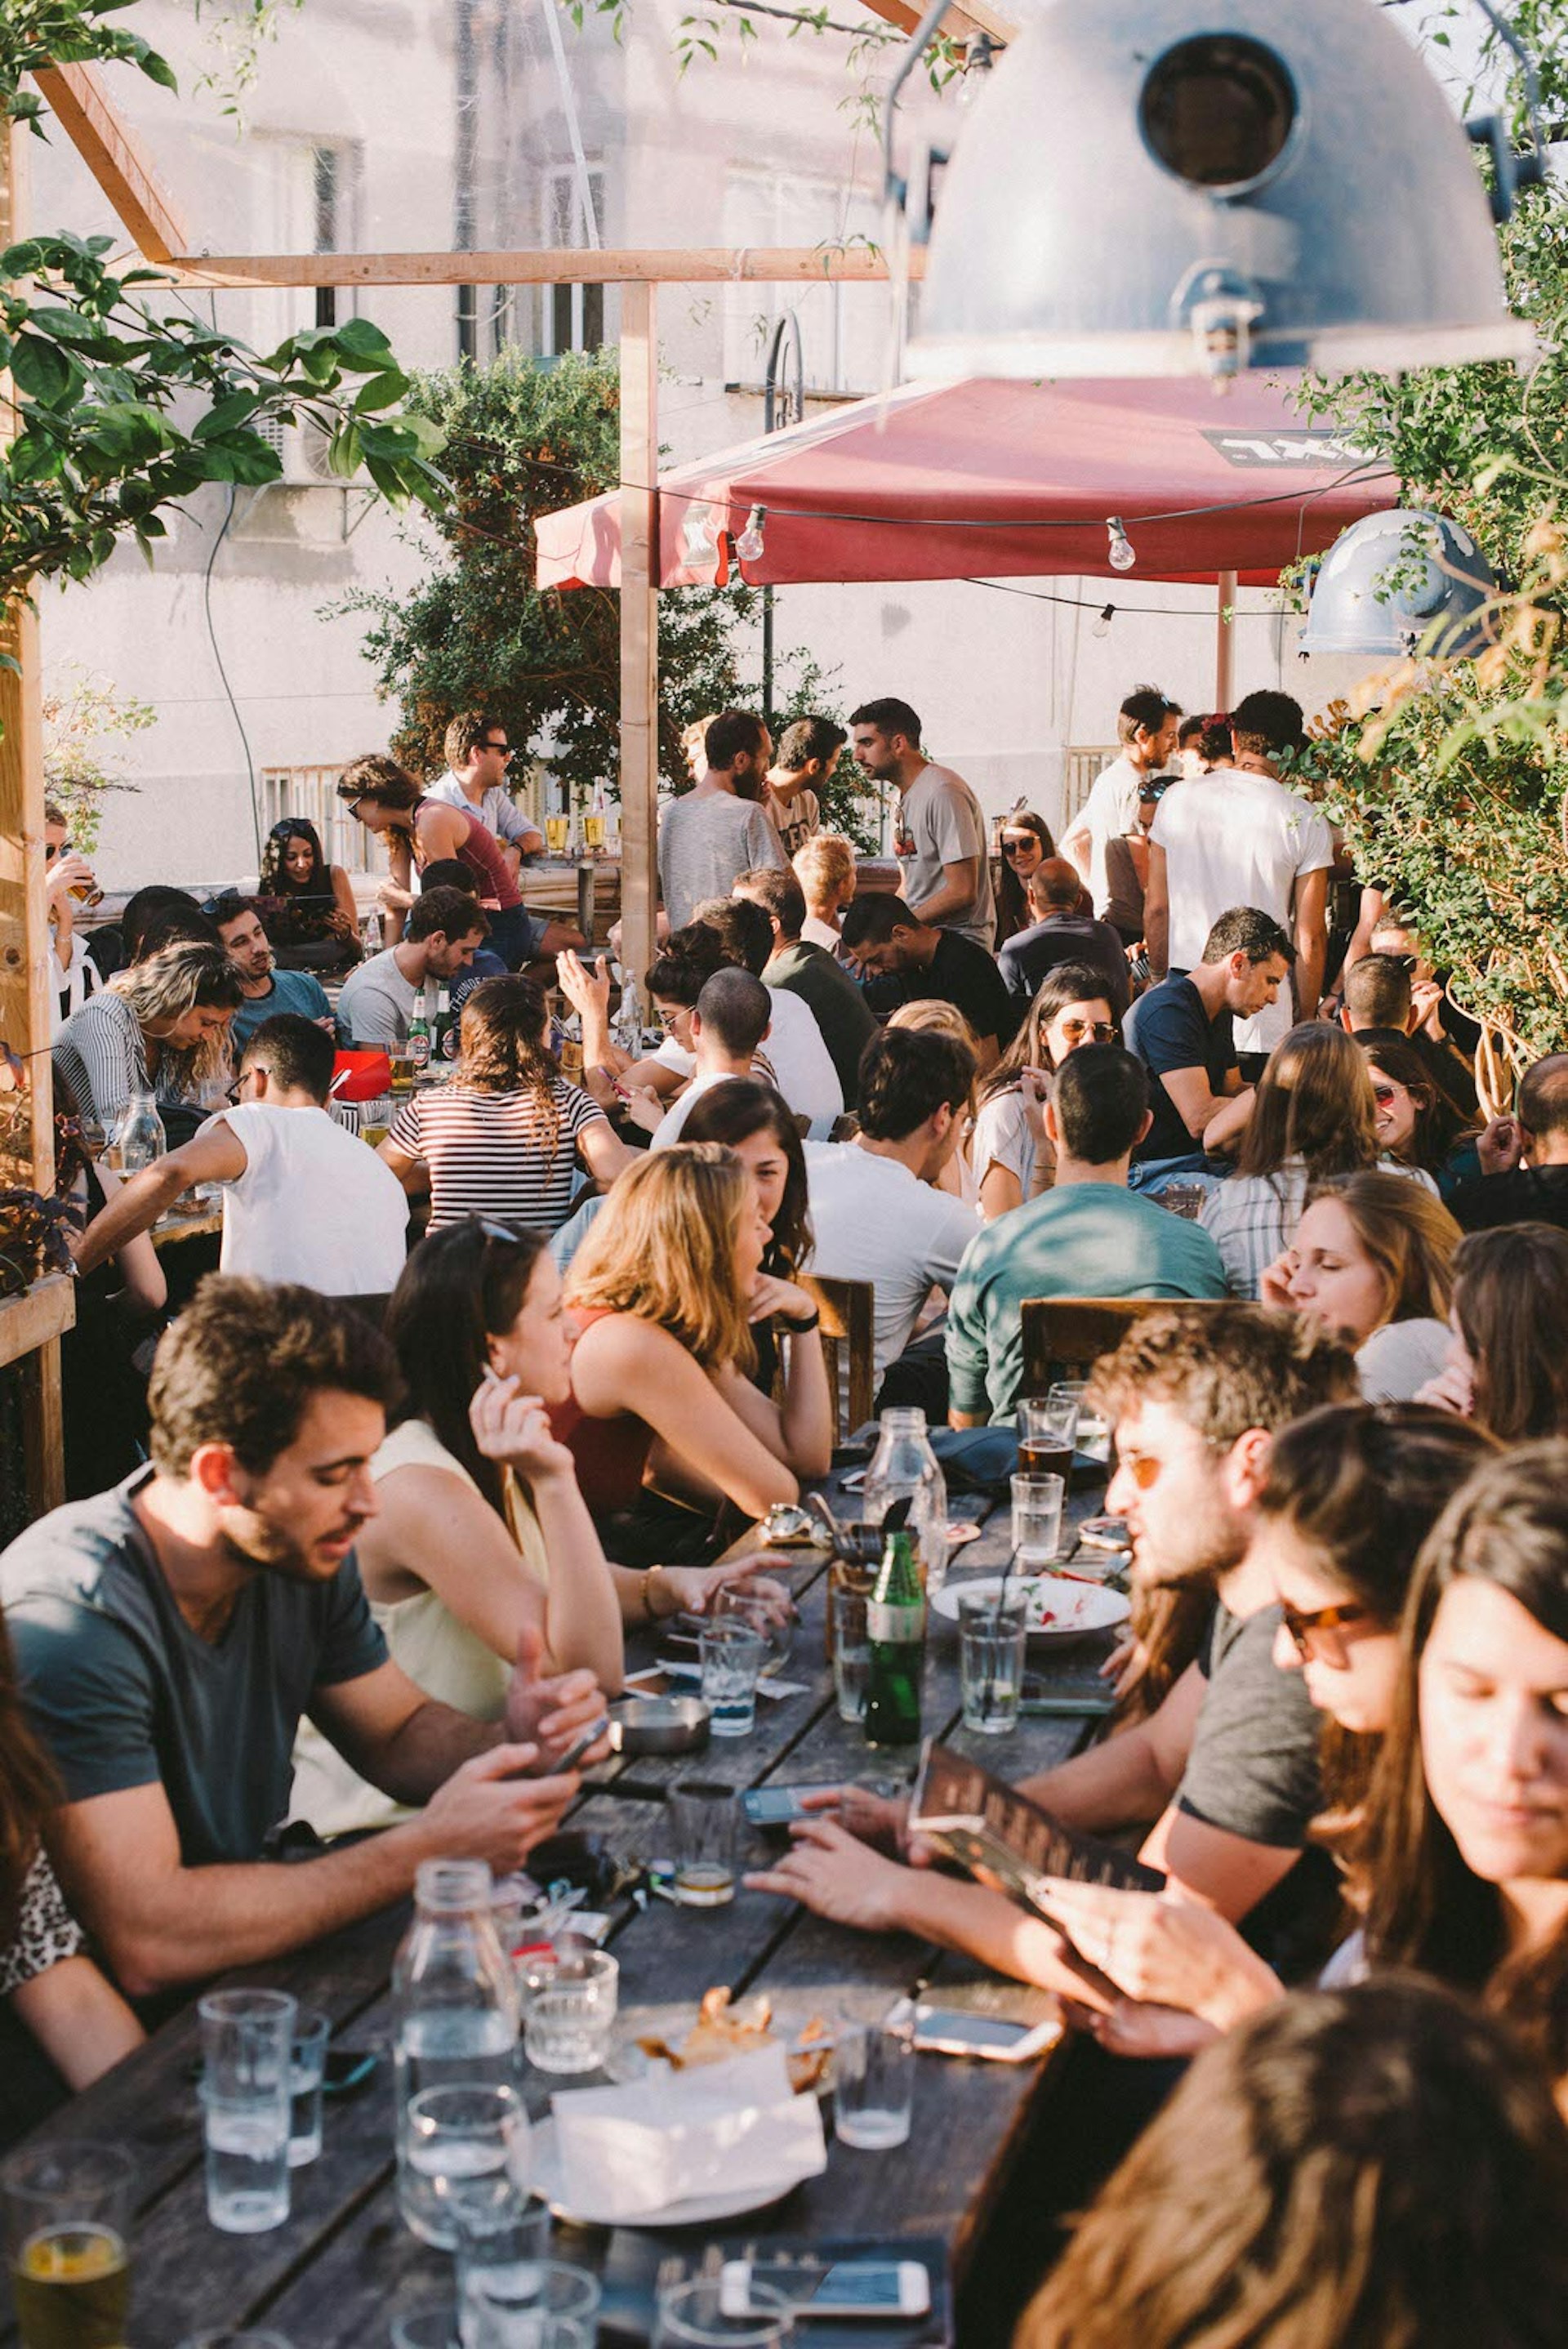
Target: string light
point(1121, 553)
point(1102, 625)
point(749, 546)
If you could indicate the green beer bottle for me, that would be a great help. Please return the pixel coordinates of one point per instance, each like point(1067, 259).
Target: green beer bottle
point(895, 1625)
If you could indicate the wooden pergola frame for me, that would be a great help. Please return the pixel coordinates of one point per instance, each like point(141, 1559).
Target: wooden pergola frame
point(31, 1326)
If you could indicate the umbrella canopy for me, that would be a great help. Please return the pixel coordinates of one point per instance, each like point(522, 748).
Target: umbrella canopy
point(985, 479)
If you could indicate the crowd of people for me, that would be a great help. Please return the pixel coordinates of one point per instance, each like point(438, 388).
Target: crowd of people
point(357, 1529)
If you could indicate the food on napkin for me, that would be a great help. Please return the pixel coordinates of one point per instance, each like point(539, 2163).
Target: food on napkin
point(712, 2128)
point(724, 2029)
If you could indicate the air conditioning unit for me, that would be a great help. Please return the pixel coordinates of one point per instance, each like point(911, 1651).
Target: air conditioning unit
point(302, 449)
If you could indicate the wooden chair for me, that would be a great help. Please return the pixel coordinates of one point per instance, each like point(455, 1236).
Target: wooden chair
point(1064, 1336)
point(848, 1309)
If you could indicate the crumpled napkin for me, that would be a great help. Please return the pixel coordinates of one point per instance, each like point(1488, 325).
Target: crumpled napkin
point(716, 2128)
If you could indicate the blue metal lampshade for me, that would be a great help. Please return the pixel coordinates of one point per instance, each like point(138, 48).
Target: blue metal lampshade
point(1396, 583)
point(1177, 187)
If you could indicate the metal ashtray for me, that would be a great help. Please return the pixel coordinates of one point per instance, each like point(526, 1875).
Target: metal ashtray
point(660, 1724)
point(786, 1522)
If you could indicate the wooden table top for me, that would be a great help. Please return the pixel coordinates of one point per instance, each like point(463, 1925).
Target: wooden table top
point(338, 2270)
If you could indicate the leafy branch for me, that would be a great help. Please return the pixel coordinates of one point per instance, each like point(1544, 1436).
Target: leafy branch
point(38, 33)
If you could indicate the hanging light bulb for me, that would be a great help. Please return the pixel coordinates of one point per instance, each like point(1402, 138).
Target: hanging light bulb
point(1102, 625)
point(979, 57)
point(1122, 551)
point(749, 546)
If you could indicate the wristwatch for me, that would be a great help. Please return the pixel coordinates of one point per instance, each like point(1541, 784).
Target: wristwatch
point(799, 1328)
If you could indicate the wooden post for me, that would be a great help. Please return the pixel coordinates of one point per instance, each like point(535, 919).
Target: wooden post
point(27, 1124)
point(1224, 640)
point(639, 626)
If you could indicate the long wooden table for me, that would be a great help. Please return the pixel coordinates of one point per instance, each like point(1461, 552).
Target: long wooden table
point(336, 2272)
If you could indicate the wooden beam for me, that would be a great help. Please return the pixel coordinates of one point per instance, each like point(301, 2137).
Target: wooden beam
point(115, 157)
point(1224, 639)
point(962, 22)
point(631, 265)
point(639, 628)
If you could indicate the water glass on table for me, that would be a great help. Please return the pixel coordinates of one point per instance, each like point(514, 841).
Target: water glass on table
point(732, 1656)
point(873, 2083)
point(705, 1829)
point(68, 2230)
point(533, 2305)
point(851, 1652)
point(455, 2138)
point(569, 2010)
point(247, 2056)
point(307, 2064)
point(1038, 1503)
point(694, 2316)
point(991, 1626)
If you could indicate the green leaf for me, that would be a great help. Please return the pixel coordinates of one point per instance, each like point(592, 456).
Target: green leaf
point(360, 341)
point(227, 413)
point(345, 451)
point(382, 391)
point(43, 371)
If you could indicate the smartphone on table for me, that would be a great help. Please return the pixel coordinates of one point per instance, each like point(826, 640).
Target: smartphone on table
point(776, 1807)
point(954, 2031)
point(868, 2288)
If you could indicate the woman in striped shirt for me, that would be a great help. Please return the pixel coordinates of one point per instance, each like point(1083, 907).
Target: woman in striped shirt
point(159, 1027)
point(509, 1136)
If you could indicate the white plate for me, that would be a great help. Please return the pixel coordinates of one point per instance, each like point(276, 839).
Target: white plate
point(697, 2210)
point(1076, 1607)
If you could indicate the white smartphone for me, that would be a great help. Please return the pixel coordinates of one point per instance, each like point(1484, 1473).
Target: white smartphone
point(954, 2030)
point(870, 2288)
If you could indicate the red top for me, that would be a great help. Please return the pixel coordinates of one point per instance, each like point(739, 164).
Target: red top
point(611, 1454)
point(481, 852)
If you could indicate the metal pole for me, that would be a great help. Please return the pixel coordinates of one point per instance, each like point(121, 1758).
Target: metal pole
point(779, 410)
point(1224, 639)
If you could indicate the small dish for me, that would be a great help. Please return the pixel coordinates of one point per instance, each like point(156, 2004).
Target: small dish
point(659, 1724)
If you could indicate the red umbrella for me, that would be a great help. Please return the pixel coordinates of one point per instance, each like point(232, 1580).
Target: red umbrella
point(985, 479)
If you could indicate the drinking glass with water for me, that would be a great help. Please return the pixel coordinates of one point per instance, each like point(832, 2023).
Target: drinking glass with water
point(873, 2083)
point(307, 2065)
point(704, 1819)
point(247, 2040)
point(851, 1652)
point(732, 1656)
point(537, 2304)
point(569, 2011)
point(992, 1626)
point(1037, 1521)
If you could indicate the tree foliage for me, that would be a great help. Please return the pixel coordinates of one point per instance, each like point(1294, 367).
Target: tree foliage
point(522, 438)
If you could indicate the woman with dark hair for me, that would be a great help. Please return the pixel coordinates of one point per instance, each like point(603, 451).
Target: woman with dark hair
point(756, 1122)
point(419, 831)
point(1023, 843)
point(1374, 2168)
point(308, 909)
point(1468, 1858)
point(1416, 1127)
point(1507, 1365)
point(1009, 1152)
point(81, 2024)
point(1349, 1495)
point(1312, 1119)
point(508, 1136)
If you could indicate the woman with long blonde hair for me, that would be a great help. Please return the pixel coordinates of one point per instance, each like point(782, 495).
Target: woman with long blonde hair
point(664, 1291)
point(508, 1136)
point(161, 1027)
point(1373, 1259)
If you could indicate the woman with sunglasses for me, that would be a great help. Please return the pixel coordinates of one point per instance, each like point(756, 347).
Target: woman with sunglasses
point(1312, 1119)
point(1350, 1493)
point(1012, 1159)
point(663, 1422)
point(1508, 1367)
point(310, 917)
point(1023, 841)
point(1373, 1259)
point(1416, 1127)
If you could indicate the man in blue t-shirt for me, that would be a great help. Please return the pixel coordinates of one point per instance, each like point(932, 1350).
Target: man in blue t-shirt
point(170, 1634)
point(1182, 1032)
point(265, 988)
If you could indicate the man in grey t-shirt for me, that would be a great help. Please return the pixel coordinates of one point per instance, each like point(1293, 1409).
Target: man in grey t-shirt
point(378, 999)
point(942, 844)
point(170, 1635)
point(718, 830)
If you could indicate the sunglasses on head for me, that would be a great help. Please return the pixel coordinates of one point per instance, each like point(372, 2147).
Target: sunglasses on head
point(1312, 1631)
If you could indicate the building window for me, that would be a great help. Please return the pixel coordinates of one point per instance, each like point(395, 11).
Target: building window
point(571, 316)
point(842, 327)
point(329, 192)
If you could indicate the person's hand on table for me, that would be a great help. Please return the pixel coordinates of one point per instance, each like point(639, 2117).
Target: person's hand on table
point(879, 1820)
point(832, 1873)
point(1126, 2028)
point(698, 1587)
point(551, 1711)
point(1125, 1665)
point(1273, 1283)
point(1162, 1953)
point(495, 1807)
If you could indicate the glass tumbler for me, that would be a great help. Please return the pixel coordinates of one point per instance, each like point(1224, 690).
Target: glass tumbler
point(247, 2045)
point(67, 2229)
point(733, 1654)
point(851, 1652)
point(873, 2084)
point(569, 2011)
point(705, 1829)
point(694, 2316)
point(1037, 1521)
point(992, 1626)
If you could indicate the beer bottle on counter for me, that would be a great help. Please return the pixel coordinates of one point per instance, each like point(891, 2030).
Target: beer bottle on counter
point(445, 1041)
point(896, 1627)
point(419, 1028)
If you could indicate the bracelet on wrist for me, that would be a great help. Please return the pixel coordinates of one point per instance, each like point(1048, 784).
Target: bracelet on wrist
point(653, 1613)
point(808, 1321)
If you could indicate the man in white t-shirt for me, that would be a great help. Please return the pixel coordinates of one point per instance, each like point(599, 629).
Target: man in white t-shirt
point(942, 833)
point(303, 1199)
point(876, 1214)
point(1145, 727)
point(1238, 837)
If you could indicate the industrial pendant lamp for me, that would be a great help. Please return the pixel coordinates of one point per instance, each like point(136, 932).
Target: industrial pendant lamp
point(1199, 187)
point(1396, 584)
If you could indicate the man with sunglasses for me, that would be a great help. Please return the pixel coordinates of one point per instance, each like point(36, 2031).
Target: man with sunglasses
point(479, 754)
point(303, 1199)
point(1059, 933)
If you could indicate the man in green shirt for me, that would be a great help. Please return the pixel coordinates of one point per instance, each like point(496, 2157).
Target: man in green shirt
point(1089, 1237)
point(824, 986)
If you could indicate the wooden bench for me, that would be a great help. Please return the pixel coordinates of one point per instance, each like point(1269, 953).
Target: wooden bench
point(1065, 1336)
